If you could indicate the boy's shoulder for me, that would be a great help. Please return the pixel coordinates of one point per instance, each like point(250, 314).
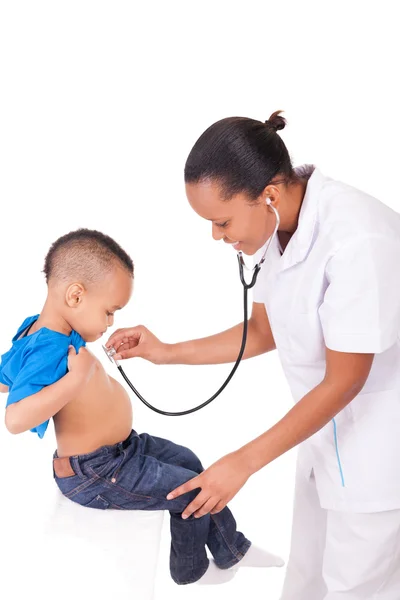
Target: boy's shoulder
point(24, 326)
point(44, 346)
point(44, 336)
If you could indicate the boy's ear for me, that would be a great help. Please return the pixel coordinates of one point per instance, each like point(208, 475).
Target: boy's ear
point(74, 295)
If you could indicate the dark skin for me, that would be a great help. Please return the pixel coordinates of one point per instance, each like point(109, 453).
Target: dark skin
point(345, 373)
point(247, 224)
point(345, 377)
point(284, 238)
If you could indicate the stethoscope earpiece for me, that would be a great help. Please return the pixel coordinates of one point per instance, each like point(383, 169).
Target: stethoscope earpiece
point(257, 267)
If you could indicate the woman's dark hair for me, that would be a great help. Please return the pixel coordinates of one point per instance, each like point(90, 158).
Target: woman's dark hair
point(242, 155)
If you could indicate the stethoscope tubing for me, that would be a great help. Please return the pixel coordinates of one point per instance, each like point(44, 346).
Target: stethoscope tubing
point(246, 288)
point(219, 391)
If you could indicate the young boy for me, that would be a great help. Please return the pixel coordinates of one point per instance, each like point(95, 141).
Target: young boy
point(100, 461)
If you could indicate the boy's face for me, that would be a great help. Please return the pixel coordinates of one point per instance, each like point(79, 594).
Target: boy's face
point(94, 310)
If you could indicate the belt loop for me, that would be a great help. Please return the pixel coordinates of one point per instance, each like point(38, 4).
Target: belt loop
point(76, 466)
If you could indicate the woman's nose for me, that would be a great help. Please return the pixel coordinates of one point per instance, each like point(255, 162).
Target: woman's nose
point(217, 233)
point(110, 320)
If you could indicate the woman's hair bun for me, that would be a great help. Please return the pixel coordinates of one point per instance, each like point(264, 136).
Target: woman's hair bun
point(276, 122)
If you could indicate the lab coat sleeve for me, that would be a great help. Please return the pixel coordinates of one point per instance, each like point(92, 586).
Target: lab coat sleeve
point(360, 312)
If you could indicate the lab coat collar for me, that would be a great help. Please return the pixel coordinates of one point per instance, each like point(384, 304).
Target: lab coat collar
point(301, 242)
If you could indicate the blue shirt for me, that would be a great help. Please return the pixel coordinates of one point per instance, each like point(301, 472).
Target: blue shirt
point(35, 361)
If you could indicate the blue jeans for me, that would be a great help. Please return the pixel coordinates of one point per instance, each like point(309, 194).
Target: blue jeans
point(138, 474)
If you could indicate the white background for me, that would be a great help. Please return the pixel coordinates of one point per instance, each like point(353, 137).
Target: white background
point(100, 104)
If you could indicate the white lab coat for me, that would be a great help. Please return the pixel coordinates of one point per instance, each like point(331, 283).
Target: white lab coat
point(337, 285)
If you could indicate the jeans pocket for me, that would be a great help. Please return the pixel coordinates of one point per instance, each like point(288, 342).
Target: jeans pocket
point(68, 485)
point(98, 502)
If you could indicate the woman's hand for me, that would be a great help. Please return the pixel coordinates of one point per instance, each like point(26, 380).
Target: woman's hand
point(219, 484)
point(138, 342)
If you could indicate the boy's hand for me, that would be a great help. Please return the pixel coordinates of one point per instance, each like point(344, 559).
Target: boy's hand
point(81, 365)
point(138, 342)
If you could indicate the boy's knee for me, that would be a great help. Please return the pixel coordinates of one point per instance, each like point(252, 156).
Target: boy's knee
point(193, 462)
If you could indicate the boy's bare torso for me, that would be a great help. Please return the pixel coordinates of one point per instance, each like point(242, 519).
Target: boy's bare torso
point(100, 415)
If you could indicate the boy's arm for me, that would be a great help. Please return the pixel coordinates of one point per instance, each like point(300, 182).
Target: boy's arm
point(37, 408)
point(3, 388)
point(43, 405)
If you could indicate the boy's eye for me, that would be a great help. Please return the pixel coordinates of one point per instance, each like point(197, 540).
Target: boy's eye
point(110, 314)
point(222, 225)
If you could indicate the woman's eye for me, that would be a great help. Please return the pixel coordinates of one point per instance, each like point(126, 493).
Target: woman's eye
point(222, 225)
point(109, 314)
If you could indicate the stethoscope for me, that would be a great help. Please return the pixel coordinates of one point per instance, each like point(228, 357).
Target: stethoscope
point(246, 287)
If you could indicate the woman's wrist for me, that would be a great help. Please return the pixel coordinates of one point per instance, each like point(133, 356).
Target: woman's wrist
point(171, 354)
point(247, 460)
point(179, 353)
point(261, 451)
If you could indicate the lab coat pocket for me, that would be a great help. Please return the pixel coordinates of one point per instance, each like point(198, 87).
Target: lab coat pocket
point(306, 340)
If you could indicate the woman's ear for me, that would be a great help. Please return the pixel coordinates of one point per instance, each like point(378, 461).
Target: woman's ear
point(272, 195)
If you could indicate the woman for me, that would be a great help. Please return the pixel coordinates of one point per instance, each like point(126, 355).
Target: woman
point(328, 299)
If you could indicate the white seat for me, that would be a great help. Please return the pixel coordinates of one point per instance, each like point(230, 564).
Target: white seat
point(92, 553)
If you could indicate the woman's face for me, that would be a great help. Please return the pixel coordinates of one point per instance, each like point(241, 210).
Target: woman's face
point(245, 224)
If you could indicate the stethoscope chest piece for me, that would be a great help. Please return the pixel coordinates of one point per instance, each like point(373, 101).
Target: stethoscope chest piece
point(110, 352)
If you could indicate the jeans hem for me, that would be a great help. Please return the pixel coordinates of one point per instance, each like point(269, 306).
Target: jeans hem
point(236, 559)
point(193, 579)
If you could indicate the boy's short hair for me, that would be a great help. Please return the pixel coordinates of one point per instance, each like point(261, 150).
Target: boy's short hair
point(84, 254)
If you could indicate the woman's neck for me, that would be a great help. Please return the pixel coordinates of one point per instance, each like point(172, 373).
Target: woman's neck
point(293, 200)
